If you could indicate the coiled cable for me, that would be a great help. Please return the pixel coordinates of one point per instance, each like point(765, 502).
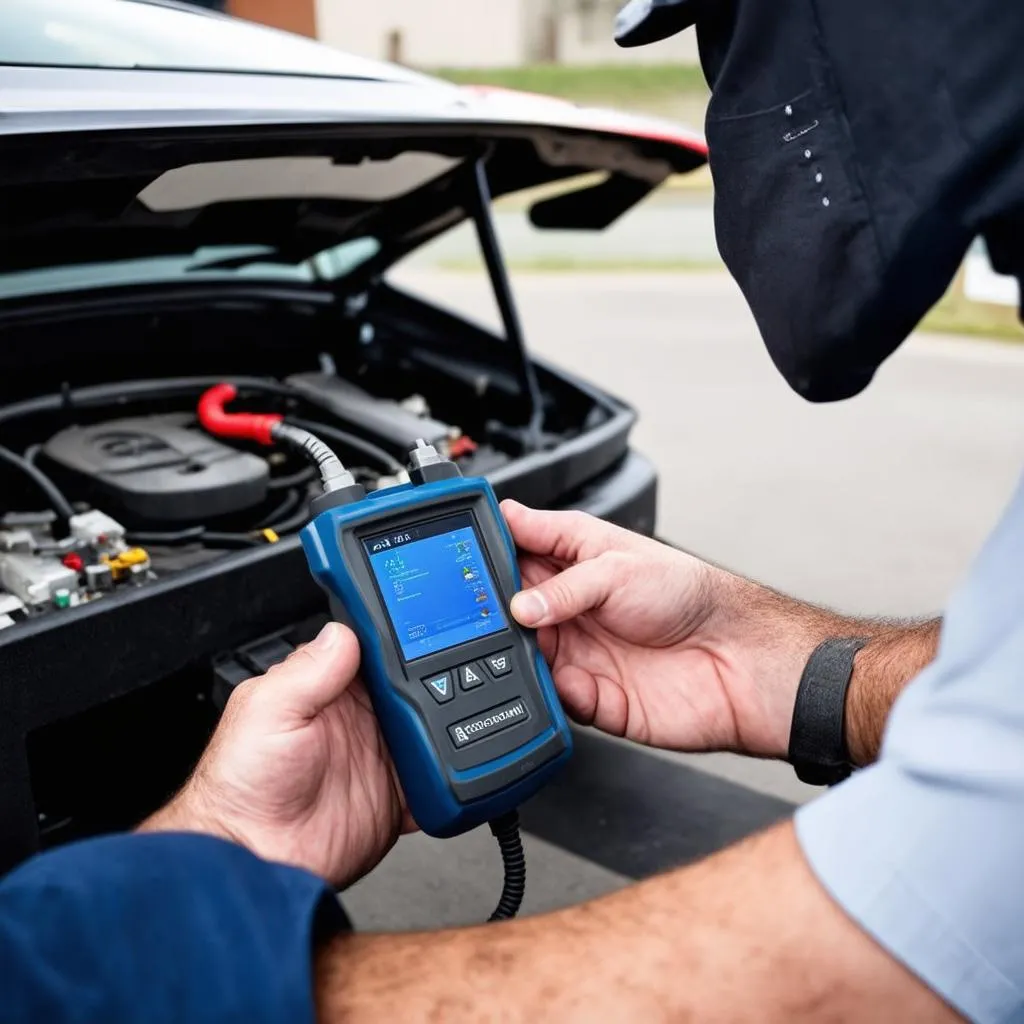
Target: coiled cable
point(506, 831)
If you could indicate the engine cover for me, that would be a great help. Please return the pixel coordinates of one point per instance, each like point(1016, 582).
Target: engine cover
point(156, 469)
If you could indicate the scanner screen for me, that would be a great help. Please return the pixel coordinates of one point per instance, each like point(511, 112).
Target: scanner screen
point(436, 585)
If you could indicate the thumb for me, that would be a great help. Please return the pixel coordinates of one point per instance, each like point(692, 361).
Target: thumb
point(578, 589)
point(315, 675)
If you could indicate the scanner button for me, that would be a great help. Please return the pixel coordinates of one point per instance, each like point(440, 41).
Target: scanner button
point(485, 724)
point(499, 664)
point(471, 676)
point(440, 687)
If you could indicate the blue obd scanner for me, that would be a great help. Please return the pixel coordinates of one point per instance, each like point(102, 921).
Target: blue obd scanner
point(423, 573)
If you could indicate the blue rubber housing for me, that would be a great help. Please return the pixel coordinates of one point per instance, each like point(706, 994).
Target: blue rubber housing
point(425, 781)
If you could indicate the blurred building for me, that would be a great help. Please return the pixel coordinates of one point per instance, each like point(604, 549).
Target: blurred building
point(466, 33)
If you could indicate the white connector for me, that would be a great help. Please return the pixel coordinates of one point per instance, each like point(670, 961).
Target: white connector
point(98, 530)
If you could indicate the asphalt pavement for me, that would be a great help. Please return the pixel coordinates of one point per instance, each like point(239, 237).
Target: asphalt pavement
point(669, 228)
point(871, 506)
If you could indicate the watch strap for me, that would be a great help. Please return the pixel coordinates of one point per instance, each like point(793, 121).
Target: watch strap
point(817, 738)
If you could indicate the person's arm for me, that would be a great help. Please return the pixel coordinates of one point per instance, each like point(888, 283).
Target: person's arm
point(747, 935)
point(198, 916)
point(648, 642)
point(777, 634)
point(893, 656)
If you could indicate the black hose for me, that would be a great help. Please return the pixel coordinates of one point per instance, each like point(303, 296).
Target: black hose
point(57, 501)
point(368, 448)
point(506, 830)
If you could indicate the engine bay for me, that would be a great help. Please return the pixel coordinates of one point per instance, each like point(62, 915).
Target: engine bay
point(109, 485)
point(142, 496)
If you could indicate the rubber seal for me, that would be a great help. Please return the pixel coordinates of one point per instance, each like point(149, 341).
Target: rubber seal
point(249, 426)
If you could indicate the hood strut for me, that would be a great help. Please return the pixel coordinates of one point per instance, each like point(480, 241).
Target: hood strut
point(488, 238)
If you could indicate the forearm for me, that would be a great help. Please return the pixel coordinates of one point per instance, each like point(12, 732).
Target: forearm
point(747, 935)
point(894, 654)
point(769, 637)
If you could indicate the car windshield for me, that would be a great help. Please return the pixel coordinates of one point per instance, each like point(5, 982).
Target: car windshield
point(209, 263)
point(131, 34)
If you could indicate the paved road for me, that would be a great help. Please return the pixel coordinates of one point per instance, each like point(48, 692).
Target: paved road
point(669, 228)
point(872, 506)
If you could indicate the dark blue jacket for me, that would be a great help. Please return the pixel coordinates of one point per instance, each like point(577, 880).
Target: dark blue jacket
point(160, 928)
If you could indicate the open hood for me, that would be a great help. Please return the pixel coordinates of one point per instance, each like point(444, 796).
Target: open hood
point(257, 171)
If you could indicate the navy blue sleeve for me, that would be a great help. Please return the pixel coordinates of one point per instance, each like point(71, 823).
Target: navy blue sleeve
point(160, 927)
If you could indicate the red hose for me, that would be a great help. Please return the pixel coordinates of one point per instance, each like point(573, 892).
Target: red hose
point(250, 426)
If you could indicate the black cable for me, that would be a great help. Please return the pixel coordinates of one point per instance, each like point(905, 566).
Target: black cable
point(127, 391)
point(217, 539)
point(506, 830)
point(284, 507)
point(281, 483)
point(189, 533)
point(295, 522)
point(57, 501)
point(368, 448)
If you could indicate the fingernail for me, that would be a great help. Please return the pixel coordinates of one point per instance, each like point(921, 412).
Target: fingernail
point(327, 637)
point(529, 607)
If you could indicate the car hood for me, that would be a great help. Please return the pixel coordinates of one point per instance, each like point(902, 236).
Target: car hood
point(102, 165)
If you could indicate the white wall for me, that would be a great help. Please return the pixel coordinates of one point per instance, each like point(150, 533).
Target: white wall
point(983, 284)
point(487, 33)
point(435, 33)
point(587, 39)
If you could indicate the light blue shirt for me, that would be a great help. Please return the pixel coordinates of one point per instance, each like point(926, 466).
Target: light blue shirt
point(925, 849)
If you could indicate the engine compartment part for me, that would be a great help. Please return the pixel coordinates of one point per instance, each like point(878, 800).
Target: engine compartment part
point(40, 572)
point(12, 610)
point(36, 579)
point(137, 498)
point(156, 469)
point(396, 426)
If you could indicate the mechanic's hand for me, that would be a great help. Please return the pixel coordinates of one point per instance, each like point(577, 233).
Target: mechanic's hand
point(650, 643)
point(297, 770)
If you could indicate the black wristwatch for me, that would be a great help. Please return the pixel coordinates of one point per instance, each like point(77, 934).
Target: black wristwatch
point(817, 738)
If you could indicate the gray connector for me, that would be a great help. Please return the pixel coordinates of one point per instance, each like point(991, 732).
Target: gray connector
point(423, 455)
point(426, 465)
point(20, 541)
point(99, 577)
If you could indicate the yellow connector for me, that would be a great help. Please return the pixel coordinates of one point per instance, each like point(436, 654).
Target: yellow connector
point(121, 563)
point(270, 536)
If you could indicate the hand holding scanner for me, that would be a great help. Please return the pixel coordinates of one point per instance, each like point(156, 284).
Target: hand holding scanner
point(423, 573)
